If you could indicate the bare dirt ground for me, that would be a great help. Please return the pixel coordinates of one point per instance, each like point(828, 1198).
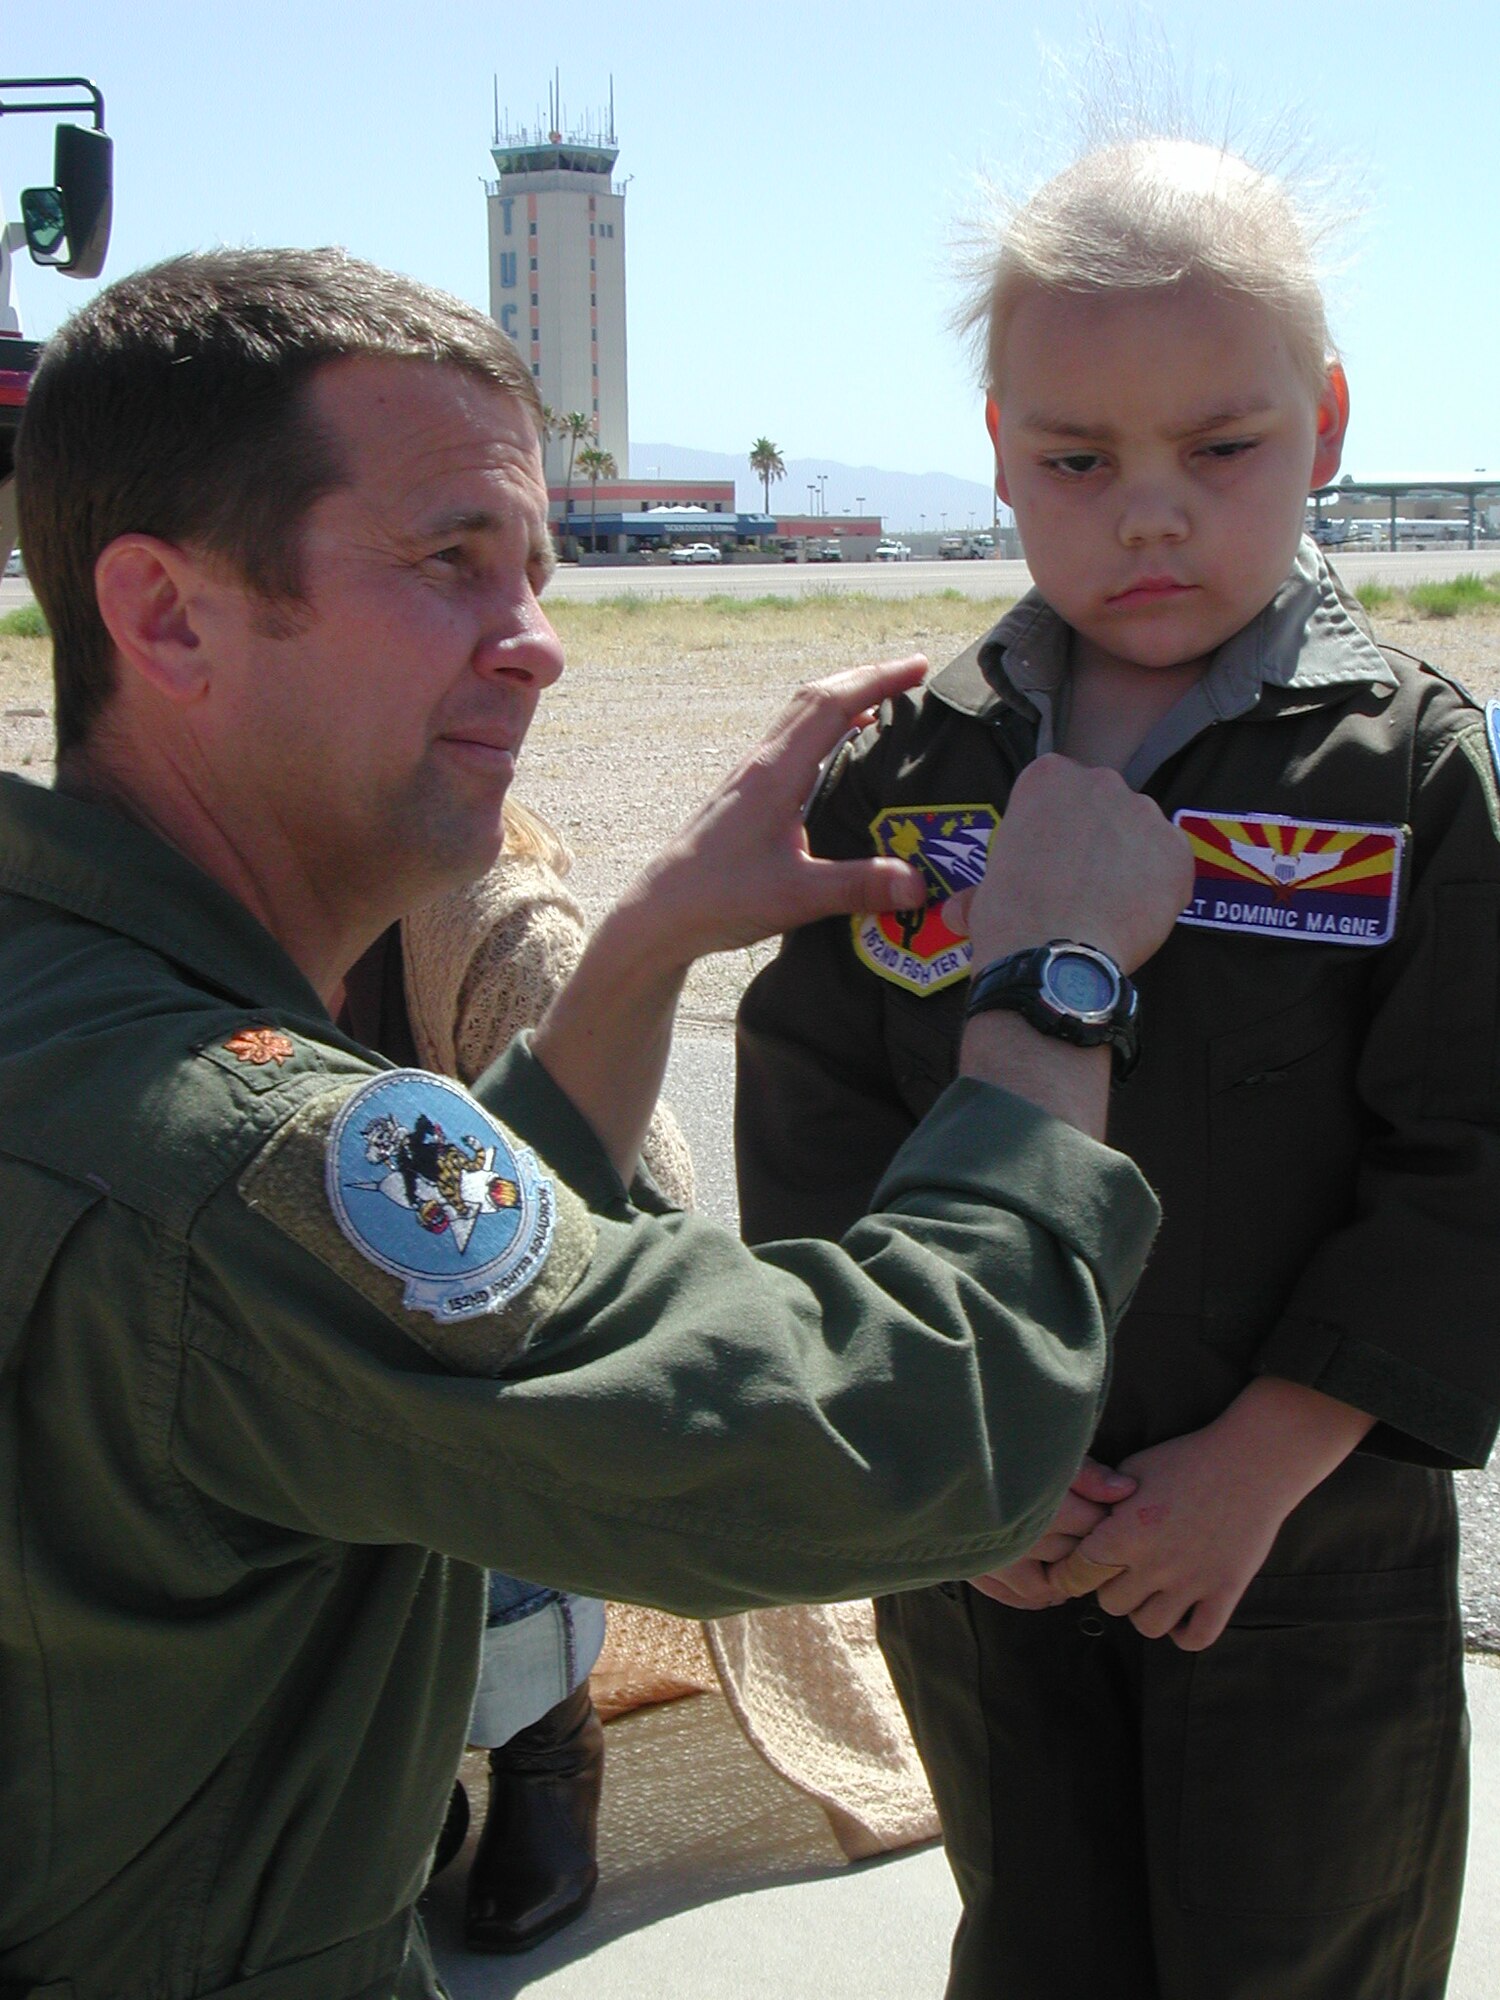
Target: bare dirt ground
point(661, 698)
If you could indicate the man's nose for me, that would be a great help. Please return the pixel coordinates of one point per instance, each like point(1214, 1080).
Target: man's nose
point(521, 645)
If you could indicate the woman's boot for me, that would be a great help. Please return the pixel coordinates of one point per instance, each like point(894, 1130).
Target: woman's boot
point(534, 1868)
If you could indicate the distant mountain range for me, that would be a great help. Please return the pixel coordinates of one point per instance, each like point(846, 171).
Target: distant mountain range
point(900, 498)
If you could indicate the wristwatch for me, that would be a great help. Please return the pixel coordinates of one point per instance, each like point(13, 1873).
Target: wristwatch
point(1069, 990)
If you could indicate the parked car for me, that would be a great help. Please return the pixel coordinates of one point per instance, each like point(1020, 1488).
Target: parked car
point(892, 551)
point(695, 552)
point(13, 565)
point(965, 548)
point(829, 551)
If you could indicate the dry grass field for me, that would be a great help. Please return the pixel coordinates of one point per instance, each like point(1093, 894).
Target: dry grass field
point(661, 697)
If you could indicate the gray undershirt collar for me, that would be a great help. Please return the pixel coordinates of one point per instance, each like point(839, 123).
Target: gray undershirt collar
point(1311, 636)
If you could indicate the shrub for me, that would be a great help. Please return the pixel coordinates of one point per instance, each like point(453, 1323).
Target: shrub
point(25, 622)
point(1461, 593)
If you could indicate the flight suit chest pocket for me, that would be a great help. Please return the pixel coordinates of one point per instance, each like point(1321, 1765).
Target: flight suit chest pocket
point(40, 1213)
point(921, 1038)
point(1283, 1141)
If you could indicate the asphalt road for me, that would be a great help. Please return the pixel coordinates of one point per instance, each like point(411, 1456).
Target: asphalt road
point(701, 1091)
point(917, 579)
point(909, 579)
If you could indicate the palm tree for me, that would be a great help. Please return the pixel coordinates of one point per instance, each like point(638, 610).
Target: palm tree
point(767, 464)
point(574, 427)
point(596, 465)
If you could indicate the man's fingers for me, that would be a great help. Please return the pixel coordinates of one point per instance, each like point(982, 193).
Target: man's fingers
point(835, 887)
point(1079, 855)
point(810, 725)
point(955, 912)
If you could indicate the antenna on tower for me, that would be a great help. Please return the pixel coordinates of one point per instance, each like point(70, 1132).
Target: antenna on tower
point(497, 107)
point(612, 110)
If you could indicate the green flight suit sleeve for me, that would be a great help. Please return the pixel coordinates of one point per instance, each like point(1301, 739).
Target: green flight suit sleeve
point(694, 1425)
point(1395, 1313)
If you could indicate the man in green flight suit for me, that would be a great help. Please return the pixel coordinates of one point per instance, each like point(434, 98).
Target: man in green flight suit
point(293, 1342)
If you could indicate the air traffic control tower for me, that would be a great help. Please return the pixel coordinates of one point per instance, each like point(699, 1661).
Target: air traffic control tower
point(557, 269)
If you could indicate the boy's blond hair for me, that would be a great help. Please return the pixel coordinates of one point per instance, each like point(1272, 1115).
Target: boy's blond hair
point(1144, 215)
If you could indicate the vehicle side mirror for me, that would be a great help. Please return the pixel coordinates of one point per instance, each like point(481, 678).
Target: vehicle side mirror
point(67, 226)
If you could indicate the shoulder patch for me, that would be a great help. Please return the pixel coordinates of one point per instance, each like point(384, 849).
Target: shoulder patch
point(409, 1189)
point(1330, 881)
point(948, 844)
point(1492, 732)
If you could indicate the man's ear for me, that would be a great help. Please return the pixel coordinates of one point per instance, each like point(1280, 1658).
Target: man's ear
point(992, 425)
point(146, 589)
point(1333, 423)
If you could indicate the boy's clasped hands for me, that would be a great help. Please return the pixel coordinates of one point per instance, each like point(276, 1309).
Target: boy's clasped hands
point(1172, 1537)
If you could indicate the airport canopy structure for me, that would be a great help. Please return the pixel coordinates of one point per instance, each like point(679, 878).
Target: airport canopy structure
point(682, 524)
point(661, 527)
point(1424, 489)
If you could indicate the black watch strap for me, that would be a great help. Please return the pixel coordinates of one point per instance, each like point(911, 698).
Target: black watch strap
point(1020, 984)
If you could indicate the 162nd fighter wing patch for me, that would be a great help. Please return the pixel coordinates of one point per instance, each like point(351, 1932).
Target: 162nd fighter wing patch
point(949, 844)
point(1331, 881)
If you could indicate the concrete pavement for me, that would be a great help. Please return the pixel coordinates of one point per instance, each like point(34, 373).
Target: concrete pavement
point(719, 1883)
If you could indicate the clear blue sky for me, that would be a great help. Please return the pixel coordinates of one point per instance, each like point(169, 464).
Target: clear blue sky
point(795, 170)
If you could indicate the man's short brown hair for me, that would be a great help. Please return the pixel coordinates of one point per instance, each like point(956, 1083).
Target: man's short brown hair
point(175, 404)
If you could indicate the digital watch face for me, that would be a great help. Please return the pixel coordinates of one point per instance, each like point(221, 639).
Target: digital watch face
point(1080, 984)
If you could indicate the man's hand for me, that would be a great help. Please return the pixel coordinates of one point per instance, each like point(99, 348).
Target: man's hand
point(741, 870)
point(1025, 1584)
point(1079, 855)
point(1209, 1505)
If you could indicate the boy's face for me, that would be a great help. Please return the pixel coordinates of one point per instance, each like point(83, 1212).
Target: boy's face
point(1158, 449)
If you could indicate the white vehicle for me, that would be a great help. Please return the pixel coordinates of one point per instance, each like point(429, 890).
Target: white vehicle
point(66, 228)
point(694, 552)
point(13, 564)
point(892, 551)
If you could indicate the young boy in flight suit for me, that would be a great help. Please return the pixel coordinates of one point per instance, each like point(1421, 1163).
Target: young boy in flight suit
point(1236, 1765)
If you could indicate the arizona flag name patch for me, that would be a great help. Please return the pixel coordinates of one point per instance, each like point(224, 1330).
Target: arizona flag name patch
point(948, 844)
point(1330, 880)
point(425, 1184)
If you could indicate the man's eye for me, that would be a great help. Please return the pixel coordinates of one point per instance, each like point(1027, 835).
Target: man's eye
point(1075, 464)
point(1223, 449)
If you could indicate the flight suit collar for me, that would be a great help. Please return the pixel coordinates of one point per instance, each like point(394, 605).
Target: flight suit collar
point(1310, 643)
point(86, 858)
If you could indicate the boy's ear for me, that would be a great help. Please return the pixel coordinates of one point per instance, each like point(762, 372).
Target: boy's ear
point(145, 590)
point(992, 425)
point(1333, 423)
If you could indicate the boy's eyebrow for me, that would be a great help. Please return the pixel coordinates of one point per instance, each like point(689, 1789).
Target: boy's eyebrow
point(1231, 413)
point(1211, 420)
point(1054, 426)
